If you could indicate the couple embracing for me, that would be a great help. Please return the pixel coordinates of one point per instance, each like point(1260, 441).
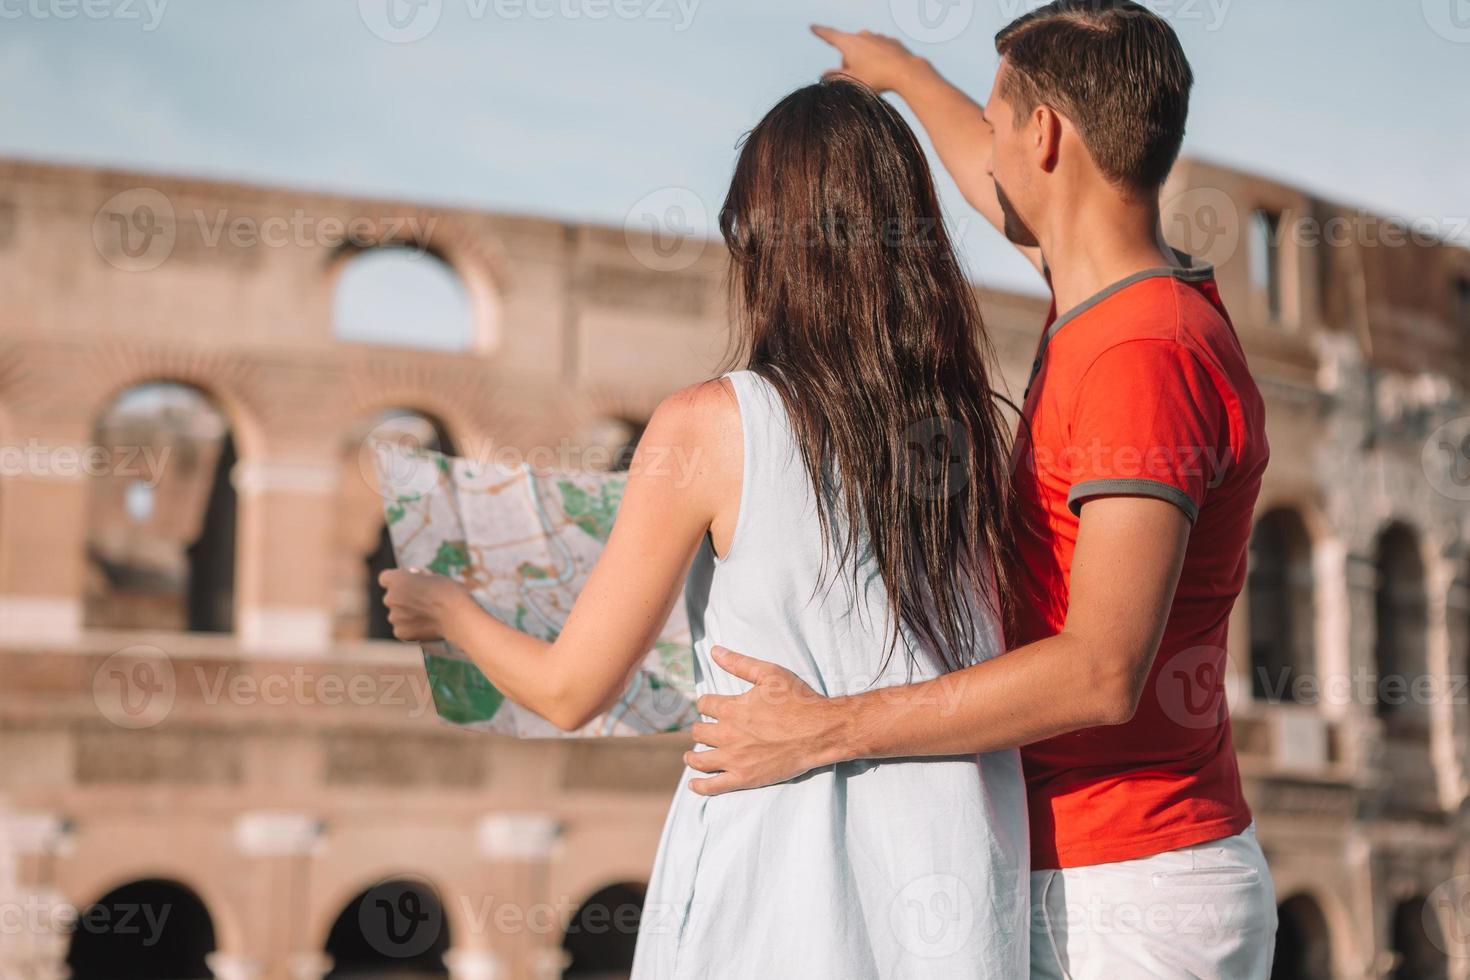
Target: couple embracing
point(948, 746)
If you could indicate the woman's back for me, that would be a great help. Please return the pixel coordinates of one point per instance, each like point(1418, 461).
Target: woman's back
point(869, 869)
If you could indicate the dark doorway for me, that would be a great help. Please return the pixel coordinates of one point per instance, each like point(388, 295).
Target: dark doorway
point(601, 937)
point(145, 930)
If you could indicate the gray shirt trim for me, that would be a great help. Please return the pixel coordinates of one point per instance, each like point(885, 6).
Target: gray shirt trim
point(1131, 488)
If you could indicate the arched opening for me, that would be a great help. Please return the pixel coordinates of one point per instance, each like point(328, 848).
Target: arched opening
point(1303, 946)
point(600, 938)
point(393, 931)
point(403, 296)
point(1418, 944)
point(364, 545)
point(1401, 609)
point(145, 930)
point(161, 522)
point(1281, 606)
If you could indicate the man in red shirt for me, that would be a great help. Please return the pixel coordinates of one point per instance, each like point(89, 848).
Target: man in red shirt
point(1138, 465)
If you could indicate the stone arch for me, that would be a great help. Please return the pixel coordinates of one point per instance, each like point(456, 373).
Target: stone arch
point(1417, 940)
point(1282, 604)
point(601, 934)
point(162, 524)
point(226, 382)
point(1303, 940)
point(398, 923)
point(477, 268)
point(144, 928)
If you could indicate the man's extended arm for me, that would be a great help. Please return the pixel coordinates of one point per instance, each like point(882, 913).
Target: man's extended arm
point(955, 122)
point(1126, 566)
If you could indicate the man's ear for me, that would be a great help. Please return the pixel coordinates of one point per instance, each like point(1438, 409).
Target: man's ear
point(1046, 125)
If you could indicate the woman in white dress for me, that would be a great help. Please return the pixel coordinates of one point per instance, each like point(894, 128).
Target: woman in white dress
point(842, 503)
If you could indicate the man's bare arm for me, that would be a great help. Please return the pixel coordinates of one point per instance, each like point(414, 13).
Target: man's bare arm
point(955, 123)
point(1129, 554)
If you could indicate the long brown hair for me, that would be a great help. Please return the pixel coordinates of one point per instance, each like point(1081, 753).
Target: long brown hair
point(850, 301)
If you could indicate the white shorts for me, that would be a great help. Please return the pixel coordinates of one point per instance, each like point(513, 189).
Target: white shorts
point(1207, 911)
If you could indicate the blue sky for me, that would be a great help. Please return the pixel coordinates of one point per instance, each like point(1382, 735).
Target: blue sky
point(579, 108)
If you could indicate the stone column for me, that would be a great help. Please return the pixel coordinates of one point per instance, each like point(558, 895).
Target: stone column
point(519, 848)
point(1365, 749)
point(43, 512)
point(233, 966)
point(470, 963)
point(37, 949)
point(283, 567)
point(280, 845)
point(1443, 663)
point(309, 966)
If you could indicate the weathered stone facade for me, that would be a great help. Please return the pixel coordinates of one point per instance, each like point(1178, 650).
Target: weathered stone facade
point(277, 763)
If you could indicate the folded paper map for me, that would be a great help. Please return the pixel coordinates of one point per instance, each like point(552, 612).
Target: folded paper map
point(523, 543)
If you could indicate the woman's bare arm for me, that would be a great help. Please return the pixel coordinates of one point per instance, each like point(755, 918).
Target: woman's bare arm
point(684, 481)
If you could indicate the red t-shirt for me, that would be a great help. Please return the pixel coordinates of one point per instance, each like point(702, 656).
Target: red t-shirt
point(1143, 390)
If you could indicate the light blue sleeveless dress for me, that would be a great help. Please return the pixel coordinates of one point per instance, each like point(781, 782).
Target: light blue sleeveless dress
point(871, 869)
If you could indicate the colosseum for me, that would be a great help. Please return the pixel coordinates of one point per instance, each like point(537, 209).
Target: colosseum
point(217, 763)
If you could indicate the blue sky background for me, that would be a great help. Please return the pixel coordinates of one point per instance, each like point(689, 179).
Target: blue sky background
point(574, 109)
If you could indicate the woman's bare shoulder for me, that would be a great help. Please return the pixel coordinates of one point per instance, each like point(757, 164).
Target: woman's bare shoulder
point(694, 436)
